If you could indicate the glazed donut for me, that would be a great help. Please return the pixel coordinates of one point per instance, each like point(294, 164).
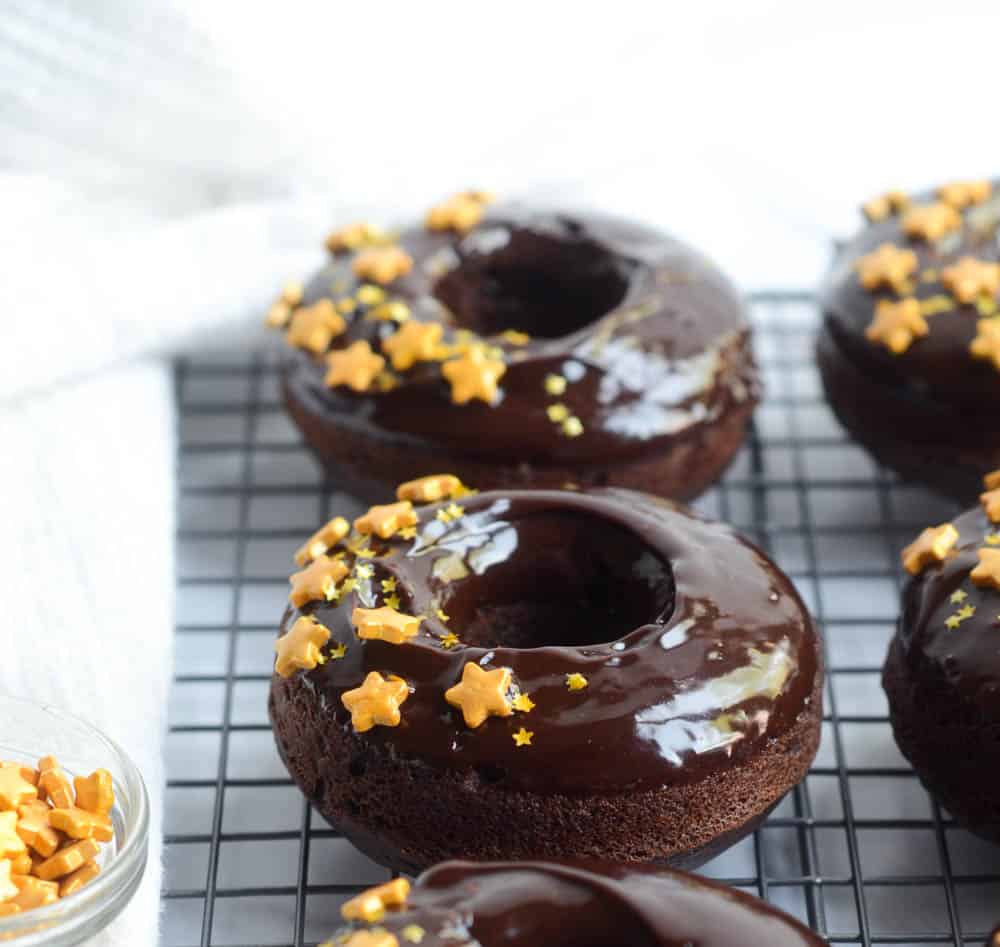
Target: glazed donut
point(518, 348)
point(522, 674)
point(910, 347)
point(563, 904)
point(942, 673)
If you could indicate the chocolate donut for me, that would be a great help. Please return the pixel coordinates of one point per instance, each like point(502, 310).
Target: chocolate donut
point(525, 674)
point(910, 347)
point(942, 674)
point(518, 348)
point(563, 904)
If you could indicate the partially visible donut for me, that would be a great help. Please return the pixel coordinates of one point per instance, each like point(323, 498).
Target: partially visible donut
point(519, 347)
point(520, 674)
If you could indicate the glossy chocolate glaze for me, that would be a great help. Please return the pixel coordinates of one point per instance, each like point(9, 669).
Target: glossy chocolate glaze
point(651, 338)
point(696, 648)
point(966, 657)
point(938, 370)
point(586, 904)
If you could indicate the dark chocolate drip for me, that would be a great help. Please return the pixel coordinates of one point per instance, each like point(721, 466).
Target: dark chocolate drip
point(696, 649)
point(651, 338)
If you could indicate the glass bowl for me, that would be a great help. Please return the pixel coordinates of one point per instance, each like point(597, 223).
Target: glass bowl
point(29, 731)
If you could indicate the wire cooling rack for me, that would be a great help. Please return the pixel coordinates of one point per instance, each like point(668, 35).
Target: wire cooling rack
point(858, 852)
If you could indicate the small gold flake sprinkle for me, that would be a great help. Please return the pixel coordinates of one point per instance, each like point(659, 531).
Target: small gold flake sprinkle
point(451, 512)
point(523, 737)
point(969, 278)
point(987, 573)
point(953, 621)
point(897, 325)
point(362, 571)
point(524, 703)
point(889, 266)
point(413, 933)
point(314, 327)
point(370, 905)
point(429, 489)
point(557, 412)
point(450, 640)
point(413, 342)
point(481, 694)
point(555, 385)
point(376, 702)
point(408, 532)
point(935, 305)
point(959, 596)
point(338, 651)
point(365, 552)
point(440, 612)
point(392, 601)
point(354, 367)
point(881, 207)
point(385, 521)
point(514, 337)
point(986, 345)
point(960, 194)
point(966, 611)
point(572, 427)
point(369, 295)
point(473, 376)
point(348, 585)
point(576, 682)
point(299, 648)
point(382, 264)
point(389, 585)
point(931, 221)
point(932, 545)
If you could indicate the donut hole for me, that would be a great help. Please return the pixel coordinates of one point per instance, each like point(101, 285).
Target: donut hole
point(569, 580)
point(535, 283)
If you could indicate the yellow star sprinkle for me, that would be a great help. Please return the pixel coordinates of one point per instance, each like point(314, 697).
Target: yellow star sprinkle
point(952, 622)
point(986, 344)
point(363, 571)
point(317, 581)
point(555, 385)
point(338, 651)
point(450, 640)
point(897, 325)
point(429, 489)
point(299, 648)
point(326, 537)
point(576, 682)
point(409, 532)
point(366, 552)
point(991, 504)
point(524, 703)
point(969, 278)
point(354, 236)
point(315, 327)
point(459, 213)
point(557, 412)
point(481, 694)
point(386, 521)
point(385, 624)
point(966, 611)
point(354, 367)
point(376, 702)
point(392, 601)
point(932, 545)
point(369, 295)
point(889, 266)
point(522, 737)
point(413, 342)
point(992, 540)
point(987, 573)
point(370, 905)
point(881, 207)
point(389, 585)
point(931, 221)
point(382, 264)
point(451, 512)
point(959, 596)
point(413, 933)
point(572, 427)
point(349, 585)
point(960, 194)
point(473, 375)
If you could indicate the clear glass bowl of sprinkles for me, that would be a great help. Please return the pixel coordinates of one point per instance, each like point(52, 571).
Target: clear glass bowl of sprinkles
point(30, 731)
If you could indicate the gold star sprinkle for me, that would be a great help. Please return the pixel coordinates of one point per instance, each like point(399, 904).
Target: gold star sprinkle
point(414, 342)
point(385, 624)
point(952, 622)
point(897, 325)
point(354, 236)
point(314, 327)
point(317, 581)
point(413, 933)
point(473, 375)
point(990, 502)
point(572, 427)
point(372, 904)
point(392, 601)
point(932, 545)
point(576, 682)
point(429, 489)
point(369, 295)
point(557, 412)
point(450, 640)
point(363, 571)
point(388, 585)
point(385, 521)
point(555, 385)
point(970, 278)
point(382, 264)
point(376, 702)
point(522, 737)
point(299, 648)
point(523, 703)
point(986, 344)
point(354, 367)
point(966, 611)
point(931, 221)
point(459, 213)
point(960, 194)
point(888, 266)
point(395, 311)
point(481, 694)
point(959, 596)
point(365, 553)
point(987, 573)
point(325, 538)
point(338, 651)
point(409, 532)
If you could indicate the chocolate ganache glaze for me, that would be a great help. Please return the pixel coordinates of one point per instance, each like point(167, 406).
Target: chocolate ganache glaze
point(694, 648)
point(649, 339)
point(581, 904)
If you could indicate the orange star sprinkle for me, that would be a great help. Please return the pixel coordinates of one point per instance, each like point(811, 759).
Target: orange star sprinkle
point(35, 828)
point(382, 265)
point(960, 194)
point(78, 823)
point(281, 311)
point(931, 221)
point(460, 212)
point(68, 859)
point(386, 520)
point(474, 375)
point(481, 694)
point(376, 702)
point(11, 844)
point(883, 206)
point(889, 265)
point(370, 905)
point(325, 538)
point(992, 480)
point(414, 342)
point(354, 367)
point(376, 937)
point(970, 278)
point(354, 236)
point(986, 344)
point(7, 888)
point(78, 879)
point(299, 648)
point(53, 783)
point(33, 893)
point(317, 581)
point(991, 503)
point(897, 325)
point(523, 737)
point(315, 327)
point(932, 545)
point(95, 793)
point(429, 489)
point(15, 790)
point(987, 573)
point(385, 624)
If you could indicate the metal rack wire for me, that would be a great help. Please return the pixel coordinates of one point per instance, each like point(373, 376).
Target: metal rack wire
point(858, 851)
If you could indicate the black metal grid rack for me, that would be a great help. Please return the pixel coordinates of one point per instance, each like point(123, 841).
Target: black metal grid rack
point(858, 851)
